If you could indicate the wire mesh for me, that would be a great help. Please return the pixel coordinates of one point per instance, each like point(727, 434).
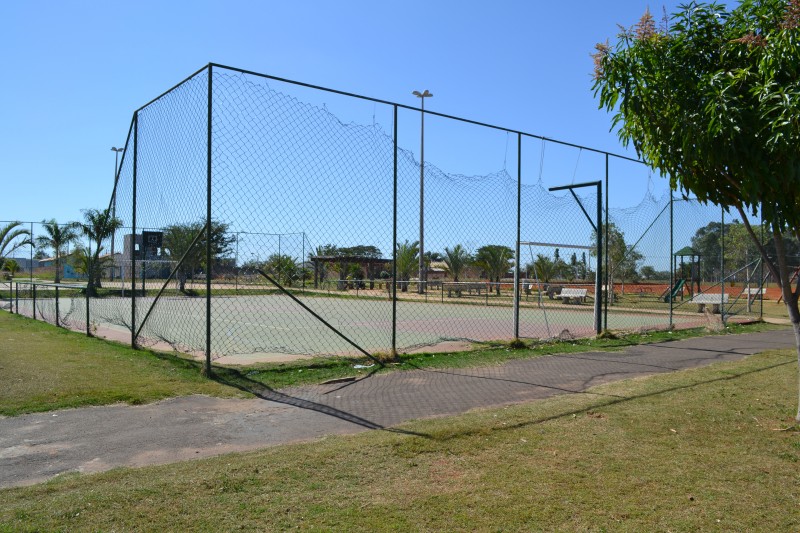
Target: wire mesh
point(330, 233)
point(59, 304)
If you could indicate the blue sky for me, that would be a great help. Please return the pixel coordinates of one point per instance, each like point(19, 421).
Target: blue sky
point(75, 72)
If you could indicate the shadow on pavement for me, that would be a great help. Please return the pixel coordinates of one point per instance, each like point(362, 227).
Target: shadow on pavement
point(233, 378)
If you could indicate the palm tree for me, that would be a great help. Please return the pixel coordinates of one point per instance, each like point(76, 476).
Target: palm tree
point(494, 260)
point(10, 240)
point(11, 266)
point(546, 268)
point(407, 260)
point(98, 226)
point(56, 237)
point(285, 268)
point(456, 260)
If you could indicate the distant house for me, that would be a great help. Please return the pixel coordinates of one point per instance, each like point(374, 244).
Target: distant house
point(67, 271)
point(25, 263)
point(437, 271)
point(46, 262)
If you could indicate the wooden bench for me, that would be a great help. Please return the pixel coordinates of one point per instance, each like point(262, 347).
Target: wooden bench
point(573, 295)
point(715, 300)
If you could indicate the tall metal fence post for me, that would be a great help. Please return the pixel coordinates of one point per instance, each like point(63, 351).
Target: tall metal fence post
point(394, 239)
point(88, 326)
point(133, 228)
point(236, 263)
point(56, 306)
point(671, 262)
point(34, 301)
point(209, 233)
point(762, 285)
point(31, 265)
point(722, 266)
point(519, 224)
point(608, 293)
point(598, 307)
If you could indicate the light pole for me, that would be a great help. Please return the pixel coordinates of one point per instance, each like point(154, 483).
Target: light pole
point(114, 205)
point(422, 274)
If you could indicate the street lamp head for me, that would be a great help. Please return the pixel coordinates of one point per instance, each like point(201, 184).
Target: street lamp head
point(424, 94)
point(113, 149)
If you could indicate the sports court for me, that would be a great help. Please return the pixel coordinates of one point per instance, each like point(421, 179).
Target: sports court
point(270, 327)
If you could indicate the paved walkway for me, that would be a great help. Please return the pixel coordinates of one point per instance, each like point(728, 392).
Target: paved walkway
point(38, 446)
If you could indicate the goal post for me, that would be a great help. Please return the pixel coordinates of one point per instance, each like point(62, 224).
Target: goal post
point(598, 283)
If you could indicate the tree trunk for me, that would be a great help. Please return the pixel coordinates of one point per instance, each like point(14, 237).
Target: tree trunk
point(790, 298)
point(94, 273)
point(182, 281)
point(796, 326)
point(794, 318)
point(781, 274)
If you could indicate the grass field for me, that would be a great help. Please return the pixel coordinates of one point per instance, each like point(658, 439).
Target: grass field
point(700, 450)
point(46, 368)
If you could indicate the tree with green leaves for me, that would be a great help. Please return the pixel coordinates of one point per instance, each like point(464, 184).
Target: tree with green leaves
point(83, 262)
point(344, 266)
point(623, 259)
point(177, 243)
point(12, 238)
point(284, 268)
point(11, 266)
point(712, 99)
point(456, 260)
point(740, 249)
point(544, 268)
point(407, 261)
point(647, 272)
point(56, 237)
point(98, 226)
point(707, 242)
point(495, 260)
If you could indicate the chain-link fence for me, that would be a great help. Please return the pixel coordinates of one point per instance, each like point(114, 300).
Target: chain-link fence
point(264, 216)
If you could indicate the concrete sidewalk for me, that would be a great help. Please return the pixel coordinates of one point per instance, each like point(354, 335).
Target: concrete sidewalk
point(36, 447)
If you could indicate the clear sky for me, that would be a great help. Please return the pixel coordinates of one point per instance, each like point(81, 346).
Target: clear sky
point(74, 72)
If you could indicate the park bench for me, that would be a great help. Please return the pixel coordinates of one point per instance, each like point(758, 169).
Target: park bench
point(754, 293)
point(715, 300)
point(573, 295)
point(459, 287)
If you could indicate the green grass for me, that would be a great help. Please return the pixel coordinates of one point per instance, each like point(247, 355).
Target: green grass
point(46, 368)
point(698, 450)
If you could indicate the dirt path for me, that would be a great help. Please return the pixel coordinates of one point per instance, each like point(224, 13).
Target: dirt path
point(37, 447)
